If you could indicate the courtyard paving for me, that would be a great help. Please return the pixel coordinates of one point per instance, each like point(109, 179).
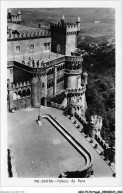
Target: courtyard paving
point(33, 155)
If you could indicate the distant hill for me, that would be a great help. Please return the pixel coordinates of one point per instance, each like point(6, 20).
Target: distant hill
point(95, 40)
point(89, 39)
point(94, 21)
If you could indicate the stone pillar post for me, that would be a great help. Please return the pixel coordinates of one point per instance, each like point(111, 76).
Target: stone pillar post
point(45, 89)
point(39, 120)
point(85, 78)
point(55, 80)
point(35, 102)
point(11, 104)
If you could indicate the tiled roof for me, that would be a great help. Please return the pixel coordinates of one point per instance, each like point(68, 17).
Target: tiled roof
point(24, 29)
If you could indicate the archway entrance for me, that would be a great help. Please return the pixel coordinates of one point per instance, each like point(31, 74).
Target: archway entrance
point(43, 101)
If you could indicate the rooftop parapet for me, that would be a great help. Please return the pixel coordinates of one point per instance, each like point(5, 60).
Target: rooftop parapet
point(74, 58)
point(69, 27)
point(75, 91)
point(11, 18)
point(20, 85)
point(27, 35)
point(96, 121)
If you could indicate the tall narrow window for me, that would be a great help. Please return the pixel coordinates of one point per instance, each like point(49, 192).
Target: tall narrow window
point(31, 47)
point(58, 48)
point(48, 45)
point(45, 46)
point(18, 49)
point(43, 85)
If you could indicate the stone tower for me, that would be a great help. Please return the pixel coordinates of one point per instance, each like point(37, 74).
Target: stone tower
point(73, 84)
point(19, 17)
point(96, 125)
point(9, 14)
point(14, 18)
point(64, 36)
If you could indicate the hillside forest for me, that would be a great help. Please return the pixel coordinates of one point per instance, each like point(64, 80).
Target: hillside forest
point(99, 63)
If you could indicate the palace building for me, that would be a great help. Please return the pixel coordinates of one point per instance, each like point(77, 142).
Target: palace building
point(42, 63)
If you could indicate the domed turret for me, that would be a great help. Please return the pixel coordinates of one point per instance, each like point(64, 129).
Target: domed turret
point(78, 23)
point(19, 13)
point(85, 77)
point(9, 11)
point(96, 124)
point(78, 19)
point(9, 14)
point(19, 17)
point(63, 19)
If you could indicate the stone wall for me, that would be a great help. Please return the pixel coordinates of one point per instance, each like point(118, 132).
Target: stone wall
point(70, 43)
point(58, 38)
point(25, 47)
point(20, 75)
point(22, 103)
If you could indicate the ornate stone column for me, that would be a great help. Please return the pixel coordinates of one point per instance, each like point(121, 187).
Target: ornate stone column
point(55, 80)
point(11, 104)
point(34, 97)
point(45, 89)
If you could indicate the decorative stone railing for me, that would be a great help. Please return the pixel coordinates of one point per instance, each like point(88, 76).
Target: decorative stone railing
point(79, 90)
point(74, 58)
point(86, 170)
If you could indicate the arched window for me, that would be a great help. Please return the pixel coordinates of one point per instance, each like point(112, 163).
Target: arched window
point(31, 47)
point(18, 49)
point(43, 99)
point(19, 94)
point(28, 92)
point(14, 95)
point(48, 45)
point(58, 48)
point(24, 93)
point(43, 85)
point(52, 71)
point(45, 46)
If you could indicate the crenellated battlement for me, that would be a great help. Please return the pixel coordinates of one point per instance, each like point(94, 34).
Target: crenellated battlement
point(76, 91)
point(20, 85)
point(27, 35)
point(58, 25)
point(70, 28)
point(14, 18)
point(73, 63)
point(74, 58)
point(96, 122)
point(64, 36)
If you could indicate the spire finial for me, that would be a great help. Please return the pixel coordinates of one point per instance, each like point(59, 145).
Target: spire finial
point(19, 13)
point(63, 18)
point(78, 19)
point(9, 11)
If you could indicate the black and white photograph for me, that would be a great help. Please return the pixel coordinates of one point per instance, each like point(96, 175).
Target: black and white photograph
point(61, 109)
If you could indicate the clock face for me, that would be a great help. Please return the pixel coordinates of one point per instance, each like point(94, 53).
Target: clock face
point(58, 48)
